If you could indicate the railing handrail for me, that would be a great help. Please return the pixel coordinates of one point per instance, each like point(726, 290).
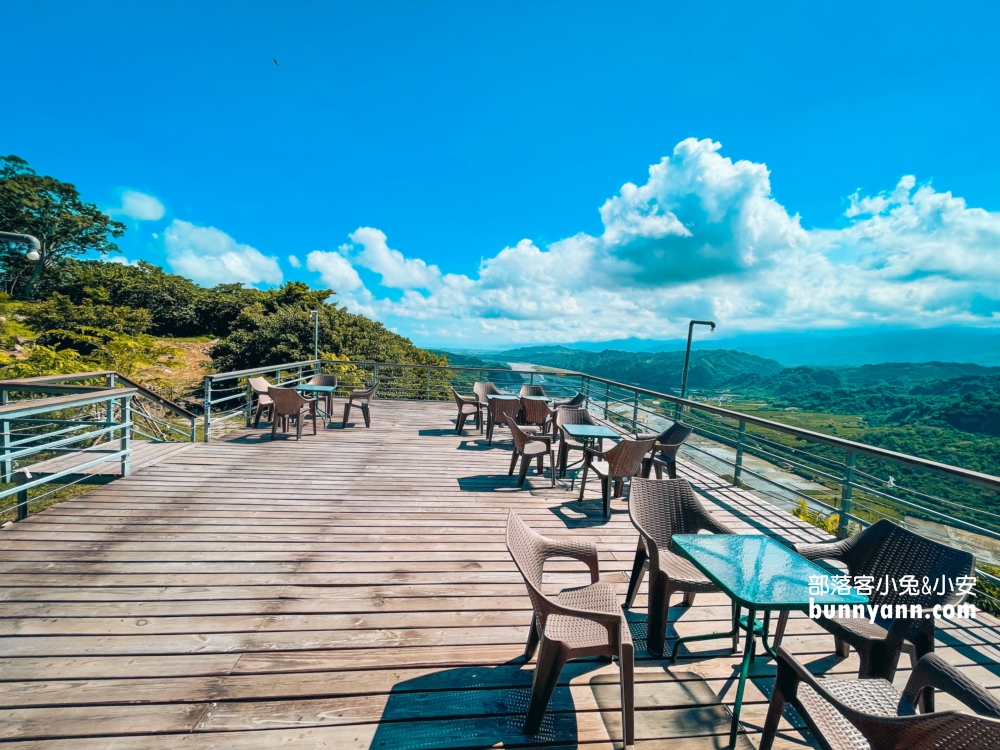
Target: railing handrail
point(56, 384)
point(361, 363)
point(10, 412)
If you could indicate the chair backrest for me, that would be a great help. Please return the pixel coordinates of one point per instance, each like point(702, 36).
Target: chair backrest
point(885, 549)
point(535, 410)
point(504, 410)
point(260, 385)
point(674, 436)
point(661, 508)
point(286, 400)
point(578, 400)
point(625, 459)
point(484, 389)
point(573, 416)
point(528, 550)
point(532, 390)
point(322, 378)
point(366, 394)
point(463, 400)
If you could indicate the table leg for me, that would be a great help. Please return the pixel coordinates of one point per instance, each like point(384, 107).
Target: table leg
point(748, 654)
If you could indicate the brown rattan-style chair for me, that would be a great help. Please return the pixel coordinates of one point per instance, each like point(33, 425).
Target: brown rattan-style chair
point(529, 446)
point(624, 460)
point(571, 403)
point(483, 389)
point(870, 713)
point(578, 622)
point(264, 403)
point(362, 398)
point(664, 452)
point(887, 550)
point(567, 443)
point(531, 390)
point(289, 404)
point(503, 412)
point(536, 412)
point(468, 406)
point(659, 509)
point(322, 378)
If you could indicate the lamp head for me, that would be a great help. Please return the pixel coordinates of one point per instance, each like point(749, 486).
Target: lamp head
point(33, 254)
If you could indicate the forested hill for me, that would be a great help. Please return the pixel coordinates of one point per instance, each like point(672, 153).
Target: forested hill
point(660, 371)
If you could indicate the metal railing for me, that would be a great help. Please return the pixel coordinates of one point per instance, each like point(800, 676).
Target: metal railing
point(849, 484)
point(37, 430)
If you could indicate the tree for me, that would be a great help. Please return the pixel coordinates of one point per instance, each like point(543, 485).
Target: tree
point(53, 212)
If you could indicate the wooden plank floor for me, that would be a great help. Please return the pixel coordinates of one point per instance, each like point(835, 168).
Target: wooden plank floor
point(144, 453)
point(351, 590)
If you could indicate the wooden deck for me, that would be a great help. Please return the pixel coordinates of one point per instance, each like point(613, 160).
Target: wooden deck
point(351, 590)
point(144, 453)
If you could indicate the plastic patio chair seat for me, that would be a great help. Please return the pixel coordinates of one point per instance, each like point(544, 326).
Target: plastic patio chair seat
point(623, 460)
point(581, 622)
point(885, 549)
point(664, 453)
point(362, 398)
point(289, 404)
point(529, 446)
point(871, 713)
point(659, 509)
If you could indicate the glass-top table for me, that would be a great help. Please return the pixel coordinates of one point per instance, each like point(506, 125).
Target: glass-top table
point(325, 390)
point(762, 575)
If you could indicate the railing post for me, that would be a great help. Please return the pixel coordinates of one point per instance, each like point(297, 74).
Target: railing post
point(607, 398)
point(738, 467)
point(428, 384)
point(845, 494)
point(531, 380)
point(249, 402)
point(22, 495)
point(5, 430)
point(374, 375)
point(208, 408)
point(110, 381)
point(126, 438)
point(635, 413)
point(194, 430)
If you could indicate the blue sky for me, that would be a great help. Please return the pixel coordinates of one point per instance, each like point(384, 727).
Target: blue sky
point(457, 169)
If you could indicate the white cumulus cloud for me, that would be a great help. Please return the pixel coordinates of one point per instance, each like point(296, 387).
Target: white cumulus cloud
point(136, 205)
point(209, 256)
point(294, 262)
point(703, 237)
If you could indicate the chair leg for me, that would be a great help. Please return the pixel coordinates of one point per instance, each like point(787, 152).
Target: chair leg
point(513, 463)
point(532, 644)
point(638, 571)
point(315, 416)
point(647, 465)
point(460, 424)
point(672, 470)
point(540, 465)
point(347, 415)
point(298, 427)
point(583, 478)
point(841, 647)
point(367, 414)
point(779, 632)
point(551, 658)
point(256, 416)
point(626, 664)
point(552, 465)
point(525, 463)
point(606, 495)
point(619, 485)
point(658, 609)
point(688, 598)
point(274, 427)
point(659, 470)
point(776, 708)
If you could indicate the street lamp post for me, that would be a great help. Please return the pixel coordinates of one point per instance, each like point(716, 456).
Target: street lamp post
point(687, 354)
point(314, 314)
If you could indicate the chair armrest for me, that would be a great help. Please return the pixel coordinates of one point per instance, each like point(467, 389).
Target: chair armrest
point(594, 453)
point(822, 550)
point(933, 671)
point(585, 552)
point(539, 438)
point(707, 523)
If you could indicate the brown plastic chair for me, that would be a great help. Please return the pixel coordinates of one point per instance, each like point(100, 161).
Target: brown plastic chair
point(289, 403)
point(532, 390)
point(885, 549)
point(571, 403)
point(483, 389)
point(567, 443)
point(578, 622)
point(468, 406)
point(503, 412)
point(664, 452)
point(322, 378)
point(536, 412)
point(529, 446)
point(659, 509)
point(264, 403)
point(362, 398)
point(871, 713)
point(624, 460)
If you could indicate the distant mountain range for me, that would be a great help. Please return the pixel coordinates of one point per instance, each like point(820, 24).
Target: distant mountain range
point(838, 348)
